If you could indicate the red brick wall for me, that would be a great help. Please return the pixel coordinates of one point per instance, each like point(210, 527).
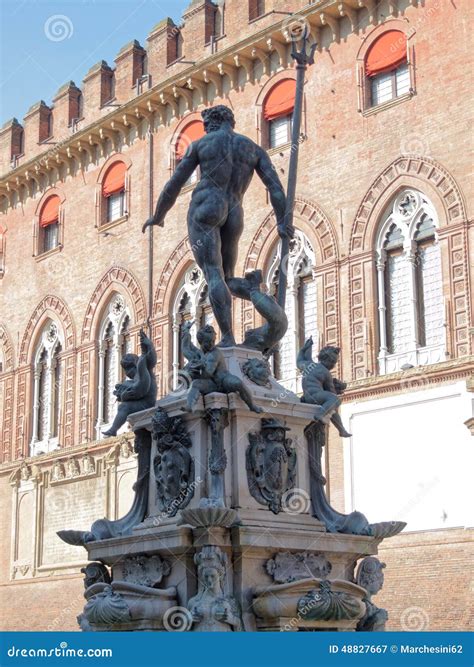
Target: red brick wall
point(340, 160)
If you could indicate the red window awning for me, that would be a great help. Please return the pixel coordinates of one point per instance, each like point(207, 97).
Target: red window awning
point(192, 132)
point(50, 212)
point(280, 101)
point(114, 180)
point(387, 53)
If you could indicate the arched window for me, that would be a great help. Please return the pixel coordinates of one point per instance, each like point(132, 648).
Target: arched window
point(114, 193)
point(300, 306)
point(386, 67)
point(47, 391)
point(278, 112)
point(411, 303)
point(191, 132)
point(114, 341)
point(48, 237)
point(191, 303)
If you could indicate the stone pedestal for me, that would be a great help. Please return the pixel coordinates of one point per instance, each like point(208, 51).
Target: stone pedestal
point(228, 535)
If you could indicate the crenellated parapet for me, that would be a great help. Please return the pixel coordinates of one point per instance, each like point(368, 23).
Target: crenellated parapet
point(215, 49)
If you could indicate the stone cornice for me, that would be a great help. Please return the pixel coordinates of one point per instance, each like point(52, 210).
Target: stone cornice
point(134, 111)
point(420, 377)
point(100, 447)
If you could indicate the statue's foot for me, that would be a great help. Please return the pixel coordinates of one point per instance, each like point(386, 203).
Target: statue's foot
point(109, 434)
point(345, 434)
point(254, 279)
point(227, 341)
point(256, 408)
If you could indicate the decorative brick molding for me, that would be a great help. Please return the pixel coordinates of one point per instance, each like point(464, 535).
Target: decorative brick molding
point(436, 182)
point(50, 305)
point(120, 278)
point(6, 415)
point(173, 268)
point(423, 170)
point(6, 346)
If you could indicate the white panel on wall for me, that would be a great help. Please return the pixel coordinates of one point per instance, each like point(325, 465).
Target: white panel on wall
point(411, 458)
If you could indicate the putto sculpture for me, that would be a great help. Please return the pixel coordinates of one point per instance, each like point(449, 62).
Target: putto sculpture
point(319, 387)
point(207, 368)
point(227, 162)
point(138, 391)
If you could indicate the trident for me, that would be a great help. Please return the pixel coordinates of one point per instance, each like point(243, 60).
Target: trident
point(303, 59)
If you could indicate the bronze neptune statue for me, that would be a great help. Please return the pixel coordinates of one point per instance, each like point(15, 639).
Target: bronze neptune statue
point(227, 162)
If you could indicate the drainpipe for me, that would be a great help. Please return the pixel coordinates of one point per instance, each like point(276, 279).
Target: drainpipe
point(151, 121)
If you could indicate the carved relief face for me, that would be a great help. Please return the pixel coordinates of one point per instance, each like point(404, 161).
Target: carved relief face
point(211, 579)
point(257, 370)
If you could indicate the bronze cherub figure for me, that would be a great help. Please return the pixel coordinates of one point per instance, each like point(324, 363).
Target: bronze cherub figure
point(319, 387)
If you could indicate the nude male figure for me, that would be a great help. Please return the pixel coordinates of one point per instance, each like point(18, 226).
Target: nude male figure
point(227, 162)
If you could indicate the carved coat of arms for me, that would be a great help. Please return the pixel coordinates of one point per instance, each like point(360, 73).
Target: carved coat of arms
point(271, 464)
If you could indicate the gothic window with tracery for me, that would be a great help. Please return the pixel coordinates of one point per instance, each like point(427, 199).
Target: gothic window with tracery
point(411, 303)
point(191, 303)
point(114, 342)
point(47, 391)
point(300, 306)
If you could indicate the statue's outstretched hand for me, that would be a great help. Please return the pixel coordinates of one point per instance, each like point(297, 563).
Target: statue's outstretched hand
point(308, 343)
point(187, 326)
point(152, 221)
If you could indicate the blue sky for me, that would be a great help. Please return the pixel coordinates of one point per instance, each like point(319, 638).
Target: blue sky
point(45, 43)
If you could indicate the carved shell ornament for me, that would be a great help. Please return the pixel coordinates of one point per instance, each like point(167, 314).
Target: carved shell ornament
point(328, 605)
point(107, 608)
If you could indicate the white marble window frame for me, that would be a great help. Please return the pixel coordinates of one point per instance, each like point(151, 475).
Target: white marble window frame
point(51, 342)
point(116, 315)
point(414, 354)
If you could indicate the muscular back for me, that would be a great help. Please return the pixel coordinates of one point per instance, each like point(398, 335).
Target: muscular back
point(227, 161)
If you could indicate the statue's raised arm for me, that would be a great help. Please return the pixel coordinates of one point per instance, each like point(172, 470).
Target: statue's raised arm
point(170, 192)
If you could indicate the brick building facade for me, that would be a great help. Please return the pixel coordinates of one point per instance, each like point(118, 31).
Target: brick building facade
point(382, 265)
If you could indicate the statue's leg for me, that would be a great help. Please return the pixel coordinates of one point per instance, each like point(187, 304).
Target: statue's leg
point(230, 235)
point(123, 411)
point(192, 397)
point(206, 244)
point(326, 403)
point(337, 421)
point(232, 383)
point(198, 388)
